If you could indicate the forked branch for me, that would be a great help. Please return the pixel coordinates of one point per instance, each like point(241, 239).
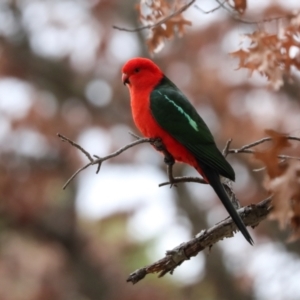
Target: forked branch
point(97, 160)
point(169, 160)
point(160, 22)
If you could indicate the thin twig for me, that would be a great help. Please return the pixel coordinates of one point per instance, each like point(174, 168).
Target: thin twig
point(135, 135)
point(162, 21)
point(237, 17)
point(183, 179)
point(252, 215)
point(254, 144)
point(75, 174)
point(259, 169)
point(210, 11)
point(99, 160)
point(223, 5)
point(226, 148)
point(121, 150)
point(250, 151)
point(65, 139)
point(261, 141)
point(280, 162)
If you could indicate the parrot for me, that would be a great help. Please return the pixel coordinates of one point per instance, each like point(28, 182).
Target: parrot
point(160, 110)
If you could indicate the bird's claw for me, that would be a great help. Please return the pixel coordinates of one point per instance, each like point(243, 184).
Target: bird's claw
point(169, 160)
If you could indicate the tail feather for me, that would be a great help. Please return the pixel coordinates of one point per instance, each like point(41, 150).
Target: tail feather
point(213, 179)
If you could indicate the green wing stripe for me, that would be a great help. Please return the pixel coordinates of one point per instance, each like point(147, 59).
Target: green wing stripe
point(189, 118)
point(174, 113)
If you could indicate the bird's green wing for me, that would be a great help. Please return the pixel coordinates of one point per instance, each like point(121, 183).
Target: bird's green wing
point(176, 115)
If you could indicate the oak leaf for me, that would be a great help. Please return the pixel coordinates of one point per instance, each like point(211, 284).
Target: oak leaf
point(240, 6)
point(270, 156)
point(283, 182)
point(286, 199)
point(270, 54)
point(163, 20)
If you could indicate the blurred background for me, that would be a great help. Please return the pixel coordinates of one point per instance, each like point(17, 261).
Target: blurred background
point(60, 63)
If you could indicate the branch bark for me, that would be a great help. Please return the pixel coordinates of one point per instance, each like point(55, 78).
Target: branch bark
point(252, 215)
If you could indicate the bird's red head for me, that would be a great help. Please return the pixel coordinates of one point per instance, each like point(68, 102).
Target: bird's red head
point(141, 73)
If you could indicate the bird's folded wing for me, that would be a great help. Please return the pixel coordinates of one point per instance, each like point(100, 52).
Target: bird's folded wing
point(176, 115)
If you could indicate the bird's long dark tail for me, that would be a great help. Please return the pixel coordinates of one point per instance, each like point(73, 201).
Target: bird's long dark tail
point(214, 180)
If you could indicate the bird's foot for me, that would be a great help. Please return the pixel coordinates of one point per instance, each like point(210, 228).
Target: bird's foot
point(169, 160)
point(157, 144)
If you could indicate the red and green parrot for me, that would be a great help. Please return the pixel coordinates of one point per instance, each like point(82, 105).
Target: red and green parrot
point(161, 110)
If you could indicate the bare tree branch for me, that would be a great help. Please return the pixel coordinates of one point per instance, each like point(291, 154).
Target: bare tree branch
point(212, 10)
point(162, 21)
point(237, 16)
point(175, 180)
point(249, 151)
point(65, 139)
point(261, 141)
point(252, 215)
point(99, 160)
point(246, 148)
point(221, 4)
point(169, 160)
point(226, 148)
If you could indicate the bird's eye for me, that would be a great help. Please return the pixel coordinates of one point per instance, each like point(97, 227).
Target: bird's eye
point(136, 70)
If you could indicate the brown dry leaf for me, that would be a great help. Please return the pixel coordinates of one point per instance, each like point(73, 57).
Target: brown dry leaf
point(270, 156)
point(179, 23)
point(157, 10)
point(156, 39)
point(263, 56)
point(270, 55)
point(240, 6)
point(242, 55)
point(283, 182)
point(286, 199)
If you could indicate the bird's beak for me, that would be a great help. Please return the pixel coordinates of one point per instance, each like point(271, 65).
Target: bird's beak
point(125, 79)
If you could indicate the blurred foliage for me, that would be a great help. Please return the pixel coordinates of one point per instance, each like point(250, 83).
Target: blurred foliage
point(60, 67)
